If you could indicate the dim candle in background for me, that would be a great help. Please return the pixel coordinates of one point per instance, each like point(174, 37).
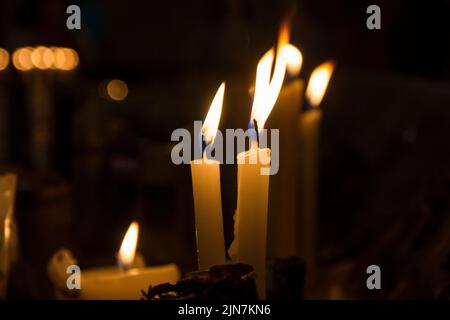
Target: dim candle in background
point(283, 219)
point(7, 196)
point(123, 282)
point(253, 183)
point(309, 137)
point(4, 123)
point(207, 197)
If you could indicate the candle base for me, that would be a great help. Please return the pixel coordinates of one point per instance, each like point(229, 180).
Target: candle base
point(220, 282)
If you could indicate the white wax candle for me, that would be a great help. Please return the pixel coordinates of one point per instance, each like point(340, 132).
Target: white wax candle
point(284, 219)
point(253, 183)
point(112, 283)
point(251, 212)
point(309, 133)
point(309, 128)
point(108, 283)
point(124, 282)
point(207, 194)
point(208, 212)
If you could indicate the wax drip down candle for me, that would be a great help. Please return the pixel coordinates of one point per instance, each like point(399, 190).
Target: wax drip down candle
point(207, 193)
point(250, 241)
point(309, 134)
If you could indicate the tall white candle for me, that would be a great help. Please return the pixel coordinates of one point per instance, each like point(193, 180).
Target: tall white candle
point(251, 211)
point(283, 233)
point(253, 185)
point(207, 194)
point(309, 134)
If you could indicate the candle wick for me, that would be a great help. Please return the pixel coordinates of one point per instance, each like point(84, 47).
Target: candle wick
point(203, 146)
point(255, 124)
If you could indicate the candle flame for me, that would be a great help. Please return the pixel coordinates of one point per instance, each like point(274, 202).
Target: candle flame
point(267, 89)
point(294, 59)
point(127, 250)
point(211, 123)
point(318, 83)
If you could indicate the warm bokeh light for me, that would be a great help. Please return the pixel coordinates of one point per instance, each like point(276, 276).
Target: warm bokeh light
point(60, 58)
point(267, 89)
point(48, 58)
point(211, 123)
point(117, 89)
point(22, 59)
point(37, 57)
point(67, 59)
point(294, 59)
point(4, 59)
point(127, 251)
point(318, 83)
point(44, 58)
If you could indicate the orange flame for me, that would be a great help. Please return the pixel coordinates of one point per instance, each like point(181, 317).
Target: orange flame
point(127, 250)
point(211, 123)
point(318, 83)
point(294, 59)
point(267, 89)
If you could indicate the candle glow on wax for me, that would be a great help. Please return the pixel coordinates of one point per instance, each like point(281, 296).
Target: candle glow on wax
point(318, 83)
point(127, 251)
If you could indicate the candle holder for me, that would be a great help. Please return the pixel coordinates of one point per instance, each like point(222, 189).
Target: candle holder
point(220, 282)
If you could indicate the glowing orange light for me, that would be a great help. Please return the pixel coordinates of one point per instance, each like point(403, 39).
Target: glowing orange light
point(65, 59)
point(72, 59)
point(117, 90)
point(127, 250)
point(211, 123)
point(4, 59)
point(318, 83)
point(294, 59)
point(22, 59)
point(60, 58)
point(37, 57)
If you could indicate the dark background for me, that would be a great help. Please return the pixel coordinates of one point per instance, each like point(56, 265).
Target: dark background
point(385, 178)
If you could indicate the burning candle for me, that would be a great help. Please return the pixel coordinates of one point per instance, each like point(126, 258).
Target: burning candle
point(7, 195)
point(253, 182)
point(309, 128)
point(124, 281)
point(283, 220)
point(206, 190)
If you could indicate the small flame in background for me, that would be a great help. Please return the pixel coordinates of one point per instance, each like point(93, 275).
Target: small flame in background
point(294, 59)
point(318, 83)
point(127, 250)
point(211, 123)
